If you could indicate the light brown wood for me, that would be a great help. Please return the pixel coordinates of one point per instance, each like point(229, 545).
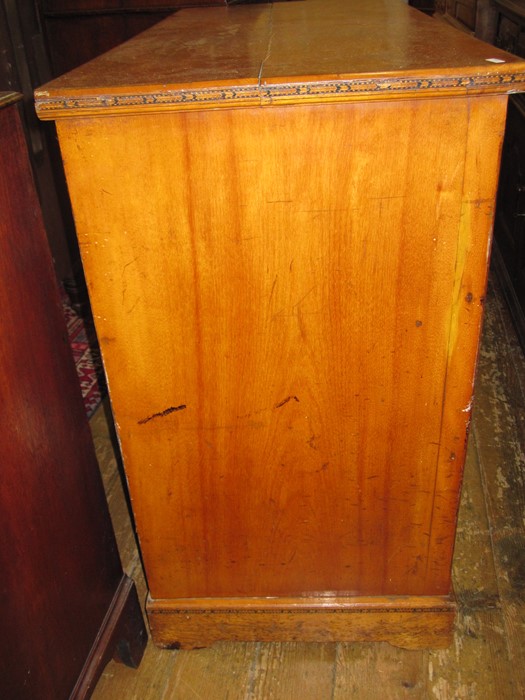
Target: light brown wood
point(287, 53)
point(487, 654)
point(203, 674)
point(288, 300)
point(412, 623)
point(296, 669)
point(369, 671)
point(296, 367)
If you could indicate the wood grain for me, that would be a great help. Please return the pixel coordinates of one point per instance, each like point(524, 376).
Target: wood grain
point(294, 670)
point(313, 418)
point(202, 674)
point(499, 439)
point(369, 671)
point(481, 662)
point(285, 53)
point(473, 252)
point(476, 663)
point(414, 622)
point(61, 573)
point(288, 300)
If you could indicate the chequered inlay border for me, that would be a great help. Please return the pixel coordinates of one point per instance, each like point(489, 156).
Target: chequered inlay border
point(298, 611)
point(269, 93)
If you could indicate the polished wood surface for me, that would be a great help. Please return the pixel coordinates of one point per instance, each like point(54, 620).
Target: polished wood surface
point(60, 570)
point(487, 656)
point(295, 337)
point(312, 51)
point(288, 300)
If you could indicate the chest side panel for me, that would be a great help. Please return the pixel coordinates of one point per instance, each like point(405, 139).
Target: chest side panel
point(277, 294)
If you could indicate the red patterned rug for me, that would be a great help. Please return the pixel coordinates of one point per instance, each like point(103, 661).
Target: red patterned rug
point(86, 354)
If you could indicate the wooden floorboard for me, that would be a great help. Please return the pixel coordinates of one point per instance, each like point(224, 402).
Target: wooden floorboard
point(294, 670)
point(372, 671)
point(486, 659)
point(499, 438)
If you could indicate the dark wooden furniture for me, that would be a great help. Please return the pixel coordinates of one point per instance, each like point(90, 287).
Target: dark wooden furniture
point(427, 6)
point(67, 607)
point(79, 31)
point(510, 25)
point(463, 11)
point(509, 249)
point(285, 231)
point(24, 64)
point(476, 16)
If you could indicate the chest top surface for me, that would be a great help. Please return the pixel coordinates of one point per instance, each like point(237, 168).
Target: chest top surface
point(302, 51)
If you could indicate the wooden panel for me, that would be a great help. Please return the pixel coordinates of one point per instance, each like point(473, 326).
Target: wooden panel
point(79, 31)
point(427, 6)
point(76, 7)
point(510, 220)
point(479, 662)
point(168, 4)
point(465, 12)
point(83, 5)
point(483, 141)
point(60, 570)
point(76, 40)
point(293, 341)
point(291, 52)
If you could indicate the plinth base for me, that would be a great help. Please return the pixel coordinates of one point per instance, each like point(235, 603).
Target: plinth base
point(412, 622)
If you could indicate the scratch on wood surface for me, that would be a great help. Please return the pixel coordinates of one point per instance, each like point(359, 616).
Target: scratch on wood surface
point(297, 304)
point(273, 287)
point(162, 414)
point(288, 398)
point(130, 262)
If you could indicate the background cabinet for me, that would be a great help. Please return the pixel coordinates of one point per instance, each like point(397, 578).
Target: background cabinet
point(510, 25)
point(463, 11)
point(79, 31)
point(509, 251)
point(476, 16)
point(67, 606)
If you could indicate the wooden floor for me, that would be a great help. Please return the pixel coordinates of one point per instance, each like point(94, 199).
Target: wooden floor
point(487, 657)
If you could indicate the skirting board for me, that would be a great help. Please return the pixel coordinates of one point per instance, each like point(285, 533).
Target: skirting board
point(412, 622)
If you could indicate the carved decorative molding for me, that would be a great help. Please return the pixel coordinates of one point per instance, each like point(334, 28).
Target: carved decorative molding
point(343, 90)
